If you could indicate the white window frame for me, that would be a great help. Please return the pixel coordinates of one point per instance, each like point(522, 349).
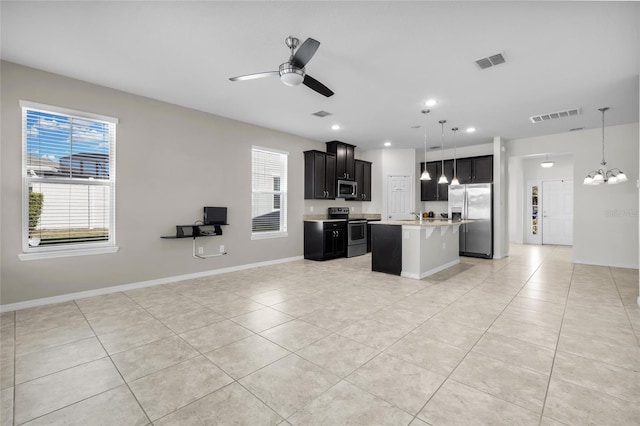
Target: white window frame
point(282, 233)
point(66, 250)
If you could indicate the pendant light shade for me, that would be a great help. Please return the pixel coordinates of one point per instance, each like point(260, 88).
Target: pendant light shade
point(425, 174)
point(443, 178)
point(546, 163)
point(455, 181)
point(602, 175)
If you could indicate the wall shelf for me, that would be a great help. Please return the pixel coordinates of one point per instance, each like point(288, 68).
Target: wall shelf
point(194, 232)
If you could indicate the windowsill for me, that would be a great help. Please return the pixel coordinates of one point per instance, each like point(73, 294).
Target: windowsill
point(67, 253)
point(268, 235)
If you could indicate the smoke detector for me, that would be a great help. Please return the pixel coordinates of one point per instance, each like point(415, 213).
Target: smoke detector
point(555, 115)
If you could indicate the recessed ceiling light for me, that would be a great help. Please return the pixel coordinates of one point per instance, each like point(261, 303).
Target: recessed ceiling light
point(471, 129)
point(387, 144)
point(431, 102)
point(335, 127)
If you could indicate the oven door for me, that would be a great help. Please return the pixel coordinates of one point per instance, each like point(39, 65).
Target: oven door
point(357, 232)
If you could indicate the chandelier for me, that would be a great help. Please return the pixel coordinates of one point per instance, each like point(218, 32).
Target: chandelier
point(602, 175)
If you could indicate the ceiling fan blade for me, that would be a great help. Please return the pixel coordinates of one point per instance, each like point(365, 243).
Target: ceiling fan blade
point(305, 52)
point(314, 84)
point(257, 75)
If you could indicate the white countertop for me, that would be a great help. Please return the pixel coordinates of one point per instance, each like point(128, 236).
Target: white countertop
point(423, 222)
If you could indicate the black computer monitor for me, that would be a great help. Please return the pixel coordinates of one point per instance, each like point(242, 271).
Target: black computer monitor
point(215, 216)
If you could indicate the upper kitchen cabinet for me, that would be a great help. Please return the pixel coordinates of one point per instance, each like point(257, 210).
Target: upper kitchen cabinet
point(431, 190)
point(345, 159)
point(319, 175)
point(363, 180)
point(475, 169)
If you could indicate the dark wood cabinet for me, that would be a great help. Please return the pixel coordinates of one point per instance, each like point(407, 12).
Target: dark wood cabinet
point(363, 180)
point(475, 169)
point(325, 240)
point(345, 159)
point(319, 175)
point(431, 190)
point(386, 249)
point(483, 169)
point(468, 170)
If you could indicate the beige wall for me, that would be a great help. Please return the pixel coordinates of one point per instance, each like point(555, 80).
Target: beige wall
point(171, 161)
point(605, 222)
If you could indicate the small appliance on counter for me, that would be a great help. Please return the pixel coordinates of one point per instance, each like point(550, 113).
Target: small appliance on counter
point(356, 231)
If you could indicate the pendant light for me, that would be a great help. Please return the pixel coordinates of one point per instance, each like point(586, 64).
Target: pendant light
point(443, 178)
point(602, 175)
point(454, 181)
point(425, 174)
point(546, 163)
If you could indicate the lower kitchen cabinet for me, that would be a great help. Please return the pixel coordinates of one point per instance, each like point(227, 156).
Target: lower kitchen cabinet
point(324, 239)
point(386, 249)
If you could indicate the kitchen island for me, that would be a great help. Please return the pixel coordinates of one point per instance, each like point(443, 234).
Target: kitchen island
point(414, 248)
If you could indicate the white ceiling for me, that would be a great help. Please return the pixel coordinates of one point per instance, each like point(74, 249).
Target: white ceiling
point(382, 59)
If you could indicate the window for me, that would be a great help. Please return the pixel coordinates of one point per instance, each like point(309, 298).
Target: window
point(269, 193)
point(68, 171)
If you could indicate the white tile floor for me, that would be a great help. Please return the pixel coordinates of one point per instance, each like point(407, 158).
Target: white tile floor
point(530, 339)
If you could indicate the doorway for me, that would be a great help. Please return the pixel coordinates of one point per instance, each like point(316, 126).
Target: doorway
point(557, 212)
point(399, 197)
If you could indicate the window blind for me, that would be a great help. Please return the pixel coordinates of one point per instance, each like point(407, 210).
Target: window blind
point(269, 193)
point(68, 171)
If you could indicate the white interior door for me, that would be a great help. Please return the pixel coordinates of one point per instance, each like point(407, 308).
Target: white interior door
point(399, 203)
point(557, 212)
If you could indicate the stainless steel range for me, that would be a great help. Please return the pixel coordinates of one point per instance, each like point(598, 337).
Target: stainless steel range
point(356, 231)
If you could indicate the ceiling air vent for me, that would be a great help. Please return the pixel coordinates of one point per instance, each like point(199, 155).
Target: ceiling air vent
point(554, 115)
point(490, 61)
point(321, 114)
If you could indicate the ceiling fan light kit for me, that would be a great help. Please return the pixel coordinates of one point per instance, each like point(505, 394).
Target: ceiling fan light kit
point(602, 175)
point(293, 72)
point(290, 75)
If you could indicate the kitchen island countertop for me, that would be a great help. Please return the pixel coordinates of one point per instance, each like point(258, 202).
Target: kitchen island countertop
point(423, 222)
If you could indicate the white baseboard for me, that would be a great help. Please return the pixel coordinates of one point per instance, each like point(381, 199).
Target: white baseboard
point(430, 271)
point(619, 265)
point(124, 287)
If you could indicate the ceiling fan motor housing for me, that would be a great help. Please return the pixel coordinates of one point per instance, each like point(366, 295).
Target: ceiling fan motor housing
point(291, 75)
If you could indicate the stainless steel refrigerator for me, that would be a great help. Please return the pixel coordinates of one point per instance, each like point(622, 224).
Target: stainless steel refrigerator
point(473, 202)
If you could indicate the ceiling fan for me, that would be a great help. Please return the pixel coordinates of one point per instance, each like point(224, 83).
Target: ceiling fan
point(293, 72)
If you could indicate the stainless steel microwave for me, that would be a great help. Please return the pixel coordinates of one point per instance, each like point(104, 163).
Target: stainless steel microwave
point(346, 189)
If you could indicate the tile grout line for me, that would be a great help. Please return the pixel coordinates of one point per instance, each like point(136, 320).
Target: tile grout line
point(624, 307)
point(555, 352)
point(114, 365)
point(448, 377)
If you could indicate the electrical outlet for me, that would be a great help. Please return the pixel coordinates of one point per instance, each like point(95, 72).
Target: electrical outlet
point(200, 250)
point(444, 245)
point(221, 249)
point(311, 208)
